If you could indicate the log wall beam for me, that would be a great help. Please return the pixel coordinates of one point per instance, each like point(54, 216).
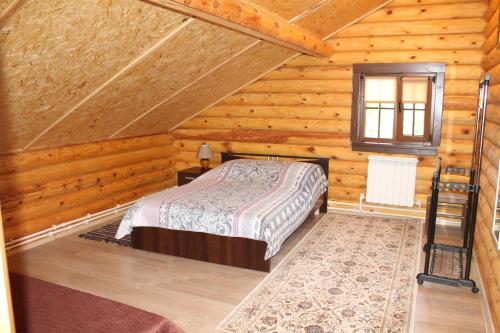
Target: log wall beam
point(248, 18)
point(51, 186)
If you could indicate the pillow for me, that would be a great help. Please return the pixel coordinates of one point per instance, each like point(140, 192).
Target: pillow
point(253, 171)
point(258, 172)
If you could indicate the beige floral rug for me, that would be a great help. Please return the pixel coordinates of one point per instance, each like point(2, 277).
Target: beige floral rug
point(349, 274)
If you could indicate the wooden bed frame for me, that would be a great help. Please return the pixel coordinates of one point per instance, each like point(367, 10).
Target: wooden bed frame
point(225, 250)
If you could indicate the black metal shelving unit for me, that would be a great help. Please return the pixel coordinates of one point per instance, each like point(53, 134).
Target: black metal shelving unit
point(448, 264)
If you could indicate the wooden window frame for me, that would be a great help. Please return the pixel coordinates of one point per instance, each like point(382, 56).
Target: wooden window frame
point(434, 109)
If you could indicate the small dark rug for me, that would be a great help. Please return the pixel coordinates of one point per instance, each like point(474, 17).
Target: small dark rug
point(106, 234)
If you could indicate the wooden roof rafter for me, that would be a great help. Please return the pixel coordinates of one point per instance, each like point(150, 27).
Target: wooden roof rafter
point(253, 20)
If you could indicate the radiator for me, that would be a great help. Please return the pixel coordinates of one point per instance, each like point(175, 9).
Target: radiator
point(391, 180)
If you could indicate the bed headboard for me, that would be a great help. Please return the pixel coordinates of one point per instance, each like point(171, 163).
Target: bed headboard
point(323, 162)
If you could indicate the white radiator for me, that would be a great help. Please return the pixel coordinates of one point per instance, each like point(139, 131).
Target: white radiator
point(391, 180)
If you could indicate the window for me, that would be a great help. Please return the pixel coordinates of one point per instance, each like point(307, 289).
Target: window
point(397, 108)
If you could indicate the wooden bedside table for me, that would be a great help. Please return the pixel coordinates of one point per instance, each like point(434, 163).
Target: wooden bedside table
point(187, 175)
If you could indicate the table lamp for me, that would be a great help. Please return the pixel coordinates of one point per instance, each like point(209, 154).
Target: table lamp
point(205, 154)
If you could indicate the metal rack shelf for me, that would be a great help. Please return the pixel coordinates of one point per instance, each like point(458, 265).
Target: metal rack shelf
point(447, 264)
point(447, 261)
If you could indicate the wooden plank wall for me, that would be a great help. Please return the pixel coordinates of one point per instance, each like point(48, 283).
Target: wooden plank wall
point(486, 247)
point(304, 107)
point(42, 188)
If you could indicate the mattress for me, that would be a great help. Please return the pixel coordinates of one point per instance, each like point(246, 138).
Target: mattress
point(255, 199)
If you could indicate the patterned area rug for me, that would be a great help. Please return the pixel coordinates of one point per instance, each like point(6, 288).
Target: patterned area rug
point(349, 274)
point(106, 234)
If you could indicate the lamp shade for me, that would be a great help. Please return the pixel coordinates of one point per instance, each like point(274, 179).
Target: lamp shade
point(205, 152)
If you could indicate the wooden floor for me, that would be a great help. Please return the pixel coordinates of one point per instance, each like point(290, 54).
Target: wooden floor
point(197, 295)
point(447, 309)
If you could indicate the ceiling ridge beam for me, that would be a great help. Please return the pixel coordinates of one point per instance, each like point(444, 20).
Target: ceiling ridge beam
point(117, 75)
point(253, 20)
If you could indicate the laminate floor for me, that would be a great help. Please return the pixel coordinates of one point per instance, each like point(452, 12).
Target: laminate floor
point(197, 295)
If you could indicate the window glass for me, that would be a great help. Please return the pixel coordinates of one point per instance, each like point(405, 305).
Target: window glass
point(371, 122)
point(379, 120)
point(387, 123)
point(418, 127)
point(407, 122)
point(413, 119)
point(420, 106)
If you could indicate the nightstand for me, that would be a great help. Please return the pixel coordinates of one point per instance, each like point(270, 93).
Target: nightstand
point(187, 175)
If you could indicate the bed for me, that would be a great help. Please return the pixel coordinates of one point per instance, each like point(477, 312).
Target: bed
point(237, 214)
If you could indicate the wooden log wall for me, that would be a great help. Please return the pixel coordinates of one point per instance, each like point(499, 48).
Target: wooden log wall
point(304, 107)
point(42, 188)
point(486, 246)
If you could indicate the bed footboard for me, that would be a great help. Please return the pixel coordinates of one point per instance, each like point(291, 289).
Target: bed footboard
point(232, 251)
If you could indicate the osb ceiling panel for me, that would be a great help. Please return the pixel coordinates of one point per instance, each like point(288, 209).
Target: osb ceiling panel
point(54, 53)
point(194, 50)
point(78, 71)
point(4, 4)
point(290, 8)
point(327, 20)
point(249, 65)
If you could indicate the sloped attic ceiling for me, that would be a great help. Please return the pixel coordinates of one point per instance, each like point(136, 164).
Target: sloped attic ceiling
point(80, 71)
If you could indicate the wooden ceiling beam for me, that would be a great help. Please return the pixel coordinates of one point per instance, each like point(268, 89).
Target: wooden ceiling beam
point(251, 19)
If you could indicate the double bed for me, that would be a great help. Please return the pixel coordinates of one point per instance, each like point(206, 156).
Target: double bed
point(237, 214)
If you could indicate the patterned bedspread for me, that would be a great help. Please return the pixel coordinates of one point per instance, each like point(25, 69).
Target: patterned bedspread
point(261, 200)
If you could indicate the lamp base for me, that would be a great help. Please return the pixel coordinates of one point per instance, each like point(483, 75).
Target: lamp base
point(205, 163)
